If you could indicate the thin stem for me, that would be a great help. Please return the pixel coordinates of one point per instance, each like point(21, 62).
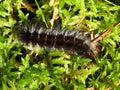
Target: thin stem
point(104, 33)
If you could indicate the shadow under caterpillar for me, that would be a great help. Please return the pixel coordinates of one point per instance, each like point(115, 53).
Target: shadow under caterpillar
point(56, 37)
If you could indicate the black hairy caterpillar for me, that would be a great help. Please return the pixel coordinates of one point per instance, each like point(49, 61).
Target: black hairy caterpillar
point(57, 37)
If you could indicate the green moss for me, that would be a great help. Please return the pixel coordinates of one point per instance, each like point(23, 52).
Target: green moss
point(57, 69)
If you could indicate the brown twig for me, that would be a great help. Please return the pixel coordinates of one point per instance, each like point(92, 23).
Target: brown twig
point(25, 5)
point(104, 33)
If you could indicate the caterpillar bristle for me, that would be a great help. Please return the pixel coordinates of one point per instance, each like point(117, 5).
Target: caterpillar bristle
point(56, 37)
